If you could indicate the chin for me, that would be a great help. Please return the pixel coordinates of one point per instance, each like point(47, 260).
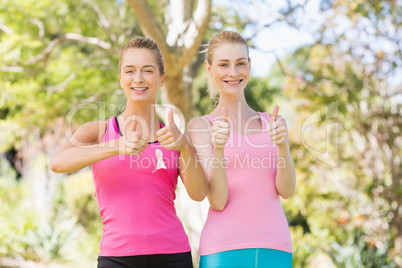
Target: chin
point(232, 91)
point(140, 99)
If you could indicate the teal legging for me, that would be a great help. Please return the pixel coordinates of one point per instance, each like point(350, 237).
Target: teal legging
point(248, 258)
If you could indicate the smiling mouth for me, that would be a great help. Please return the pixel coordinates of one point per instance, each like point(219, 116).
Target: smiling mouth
point(233, 82)
point(139, 88)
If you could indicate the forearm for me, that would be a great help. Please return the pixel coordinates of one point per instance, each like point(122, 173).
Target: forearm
point(192, 173)
point(75, 158)
point(218, 191)
point(286, 175)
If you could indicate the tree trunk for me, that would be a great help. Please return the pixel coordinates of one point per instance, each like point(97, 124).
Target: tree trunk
point(178, 93)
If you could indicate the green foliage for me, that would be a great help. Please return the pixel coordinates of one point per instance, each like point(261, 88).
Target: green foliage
point(201, 99)
point(345, 216)
point(304, 252)
point(16, 213)
point(260, 94)
point(361, 194)
point(27, 234)
point(78, 194)
point(357, 253)
point(51, 82)
point(52, 235)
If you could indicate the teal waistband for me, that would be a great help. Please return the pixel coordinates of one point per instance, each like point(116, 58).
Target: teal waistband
point(248, 258)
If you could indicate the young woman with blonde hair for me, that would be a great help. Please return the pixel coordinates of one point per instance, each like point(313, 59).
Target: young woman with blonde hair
point(248, 165)
point(135, 163)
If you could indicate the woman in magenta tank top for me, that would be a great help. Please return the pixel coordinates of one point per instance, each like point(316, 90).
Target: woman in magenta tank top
point(135, 164)
point(247, 161)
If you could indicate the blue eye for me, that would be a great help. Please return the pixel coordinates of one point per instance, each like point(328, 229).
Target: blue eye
point(128, 72)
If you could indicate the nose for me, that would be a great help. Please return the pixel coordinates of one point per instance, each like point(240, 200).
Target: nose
point(233, 71)
point(138, 78)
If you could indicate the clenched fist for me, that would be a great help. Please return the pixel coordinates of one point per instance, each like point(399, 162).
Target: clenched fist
point(170, 137)
point(277, 128)
point(220, 130)
point(134, 141)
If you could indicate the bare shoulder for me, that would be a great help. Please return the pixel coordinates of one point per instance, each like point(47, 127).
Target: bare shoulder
point(92, 129)
point(89, 133)
point(199, 130)
point(199, 123)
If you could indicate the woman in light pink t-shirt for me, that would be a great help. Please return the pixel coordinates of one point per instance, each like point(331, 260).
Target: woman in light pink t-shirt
point(248, 166)
point(135, 163)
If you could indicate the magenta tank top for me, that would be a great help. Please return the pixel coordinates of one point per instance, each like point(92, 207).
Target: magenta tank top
point(136, 201)
point(253, 216)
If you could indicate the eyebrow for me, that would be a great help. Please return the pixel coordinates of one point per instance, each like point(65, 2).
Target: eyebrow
point(236, 60)
point(132, 66)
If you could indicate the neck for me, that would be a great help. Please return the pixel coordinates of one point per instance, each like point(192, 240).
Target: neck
point(236, 105)
point(142, 111)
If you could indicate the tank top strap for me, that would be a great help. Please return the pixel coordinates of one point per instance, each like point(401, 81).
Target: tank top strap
point(264, 119)
point(209, 117)
point(111, 131)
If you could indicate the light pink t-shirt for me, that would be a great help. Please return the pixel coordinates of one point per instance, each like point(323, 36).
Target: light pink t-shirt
point(136, 201)
point(253, 216)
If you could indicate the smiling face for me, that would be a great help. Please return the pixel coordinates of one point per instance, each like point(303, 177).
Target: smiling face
point(230, 68)
point(139, 75)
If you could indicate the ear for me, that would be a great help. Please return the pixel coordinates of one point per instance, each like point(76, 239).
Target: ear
point(162, 80)
point(249, 64)
point(208, 67)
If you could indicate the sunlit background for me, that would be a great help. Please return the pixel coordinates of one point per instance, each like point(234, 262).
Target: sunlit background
point(333, 66)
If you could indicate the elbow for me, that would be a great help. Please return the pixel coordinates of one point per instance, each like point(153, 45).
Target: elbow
point(218, 199)
point(287, 195)
point(199, 192)
point(198, 196)
point(55, 166)
point(219, 206)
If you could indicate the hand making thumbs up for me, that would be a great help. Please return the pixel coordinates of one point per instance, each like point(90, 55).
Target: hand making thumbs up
point(170, 137)
point(220, 130)
point(133, 141)
point(277, 128)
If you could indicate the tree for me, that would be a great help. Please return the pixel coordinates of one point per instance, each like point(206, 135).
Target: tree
point(357, 71)
point(56, 61)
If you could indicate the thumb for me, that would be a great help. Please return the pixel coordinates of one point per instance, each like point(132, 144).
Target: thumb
point(224, 114)
point(170, 117)
point(274, 113)
point(134, 124)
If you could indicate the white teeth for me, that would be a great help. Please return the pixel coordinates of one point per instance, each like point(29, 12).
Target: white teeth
point(139, 88)
point(233, 82)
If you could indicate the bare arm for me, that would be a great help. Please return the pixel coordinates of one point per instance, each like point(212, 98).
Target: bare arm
point(84, 147)
point(191, 173)
point(213, 162)
point(81, 150)
point(286, 174)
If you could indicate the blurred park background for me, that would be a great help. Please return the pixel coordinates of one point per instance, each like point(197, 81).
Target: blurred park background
point(333, 66)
